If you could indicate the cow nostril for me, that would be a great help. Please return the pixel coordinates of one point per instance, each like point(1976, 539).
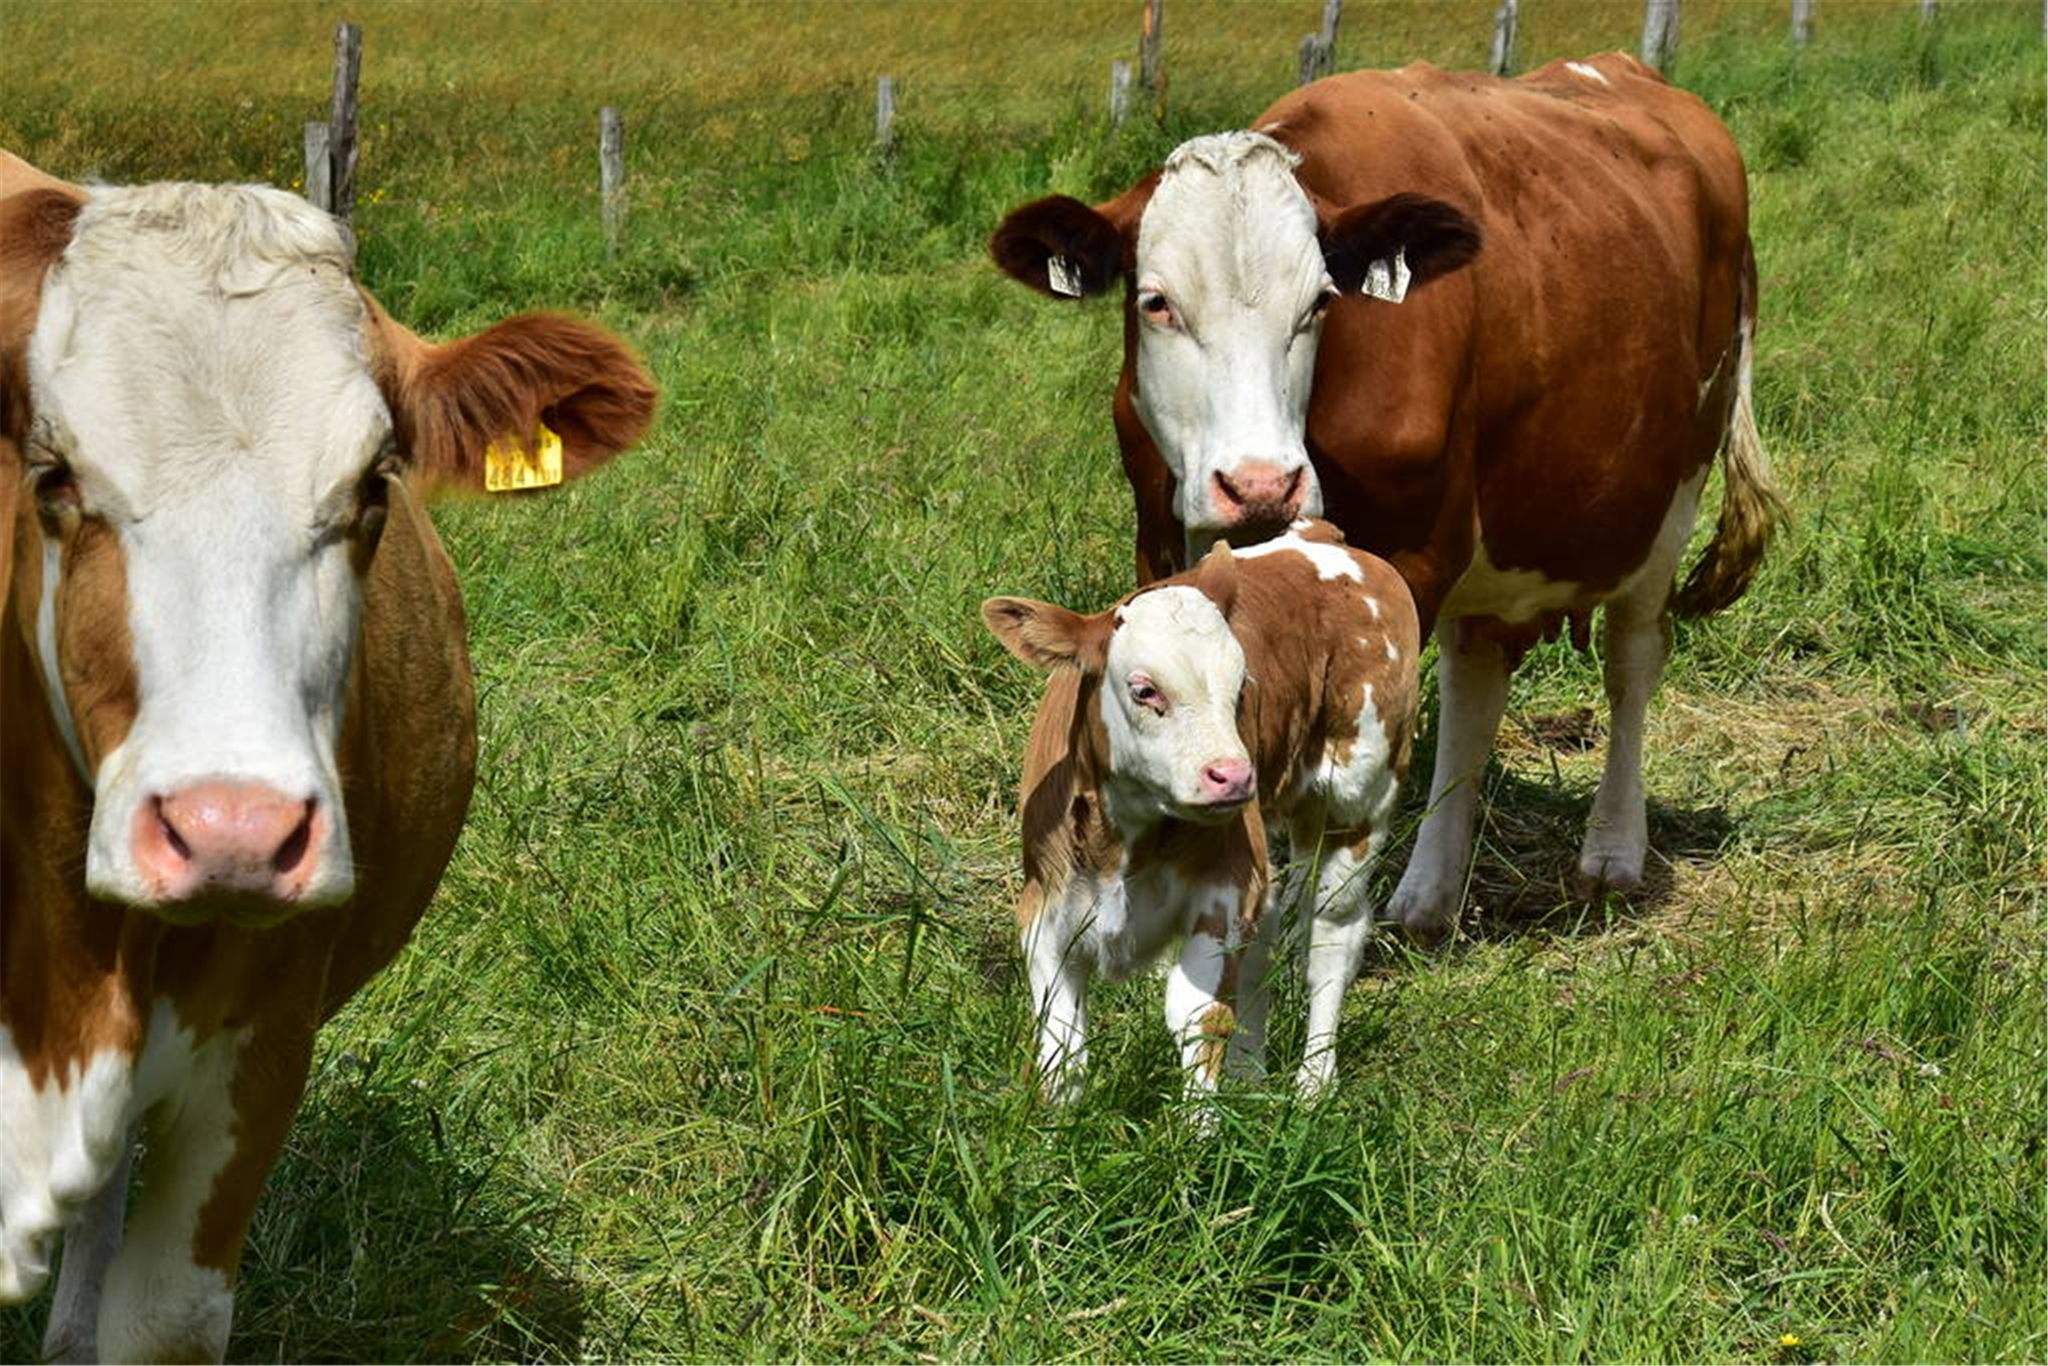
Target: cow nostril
point(293, 851)
point(171, 835)
point(1293, 486)
point(1230, 491)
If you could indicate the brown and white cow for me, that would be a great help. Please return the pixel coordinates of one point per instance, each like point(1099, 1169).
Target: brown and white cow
point(1269, 687)
point(1496, 330)
point(235, 701)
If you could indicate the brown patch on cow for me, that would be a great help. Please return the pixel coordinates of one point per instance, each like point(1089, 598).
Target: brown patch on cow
point(1219, 1022)
point(95, 655)
point(449, 401)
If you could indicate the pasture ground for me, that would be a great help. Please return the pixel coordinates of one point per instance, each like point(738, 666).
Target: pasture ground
point(713, 1044)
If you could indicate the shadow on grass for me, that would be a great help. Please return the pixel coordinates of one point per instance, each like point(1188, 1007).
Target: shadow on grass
point(384, 1237)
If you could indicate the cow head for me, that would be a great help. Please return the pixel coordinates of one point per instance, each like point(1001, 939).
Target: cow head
point(201, 417)
point(1231, 267)
point(1171, 673)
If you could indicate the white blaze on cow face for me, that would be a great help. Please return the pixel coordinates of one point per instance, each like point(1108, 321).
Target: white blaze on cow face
point(199, 367)
point(1230, 291)
point(1170, 687)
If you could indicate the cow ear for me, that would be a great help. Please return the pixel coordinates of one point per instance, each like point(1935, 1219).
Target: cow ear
point(1059, 246)
point(1216, 577)
point(1048, 637)
point(1427, 236)
point(37, 214)
point(534, 401)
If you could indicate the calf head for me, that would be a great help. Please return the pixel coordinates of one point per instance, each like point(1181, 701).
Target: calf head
point(200, 416)
point(1170, 676)
point(1231, 267)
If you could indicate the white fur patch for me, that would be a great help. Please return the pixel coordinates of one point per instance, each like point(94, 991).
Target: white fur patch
point(1330, 561)
point(1590, 73)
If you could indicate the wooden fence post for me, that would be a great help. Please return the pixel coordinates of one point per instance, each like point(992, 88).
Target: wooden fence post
point(611, 174)
point(1501, 59)
point(1660, 32)
point(1319, 49)
point(885, 117)
point(341, 120)
point(319, 167)
point(1152, 56)
point(1802, 22)
point(1930, 10)
point(1119, 94)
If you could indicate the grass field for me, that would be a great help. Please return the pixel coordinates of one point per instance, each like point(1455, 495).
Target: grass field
point(714, 1044)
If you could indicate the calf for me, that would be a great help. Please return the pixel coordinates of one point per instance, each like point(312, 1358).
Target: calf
point(238, 724)
point(1273, 686)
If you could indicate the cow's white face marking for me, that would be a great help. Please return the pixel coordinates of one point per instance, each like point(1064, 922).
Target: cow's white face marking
point(1231, 287)
point(199, 364)
point(1169, 702)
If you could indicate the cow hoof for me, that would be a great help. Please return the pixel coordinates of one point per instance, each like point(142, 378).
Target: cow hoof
point(1427, 916)
point(1601, 874)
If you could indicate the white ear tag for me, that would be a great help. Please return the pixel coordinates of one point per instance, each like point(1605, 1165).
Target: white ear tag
point(1061, 275)
point(1385, 279)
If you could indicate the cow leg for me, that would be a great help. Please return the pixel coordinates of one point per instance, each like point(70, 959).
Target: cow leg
point(169, 1294)
point(1341, 925)
point(1636, 639)
point(1472, 693)
point(1201, 991)
point(1059, 997)
point(89, 1247)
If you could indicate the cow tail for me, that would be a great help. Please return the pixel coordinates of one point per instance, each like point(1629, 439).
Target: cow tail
point(1750, 506)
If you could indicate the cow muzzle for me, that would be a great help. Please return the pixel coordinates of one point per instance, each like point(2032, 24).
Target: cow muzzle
point(244, 851)
point(1257, 499)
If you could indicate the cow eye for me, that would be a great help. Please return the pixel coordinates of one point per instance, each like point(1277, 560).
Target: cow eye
point(56, 487)
point(1156, 308)
point(373, 498)
point(1147, 695)
point(1324, 298)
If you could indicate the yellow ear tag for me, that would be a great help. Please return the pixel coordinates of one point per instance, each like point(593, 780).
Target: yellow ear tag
point(511, 464)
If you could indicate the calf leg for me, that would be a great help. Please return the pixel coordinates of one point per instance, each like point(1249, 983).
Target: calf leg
point(1245, 1057)
point(1472, 692)
point(89, 1247)
point(1059, 997)
point(1636, 639)
point(169, 1293)
point(1338, 933)
point(1201, 992)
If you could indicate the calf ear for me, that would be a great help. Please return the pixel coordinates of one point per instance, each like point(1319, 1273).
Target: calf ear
point(1432, 237)
point(1049, 637)
point(511, 385)
point(1216, 578)
point(1059, 246)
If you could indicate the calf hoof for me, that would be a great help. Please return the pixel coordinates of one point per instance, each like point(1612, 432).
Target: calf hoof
point(1428, 920)
point(1316, 1080)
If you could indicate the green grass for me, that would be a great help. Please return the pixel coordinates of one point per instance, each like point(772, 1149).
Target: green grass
point(714, 1044)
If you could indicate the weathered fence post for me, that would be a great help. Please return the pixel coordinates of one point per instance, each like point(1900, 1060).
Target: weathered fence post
point(1119, 94)
point(319, 167)
point(341, 120)
point(1802, 22)
point(1319, 49)
point(1152, 56)
point(1501, 59)
point(1930, 10)
point(885, 117)
point(1660, 32)
point(611, 174)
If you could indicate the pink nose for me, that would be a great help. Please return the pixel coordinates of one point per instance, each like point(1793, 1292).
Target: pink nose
point(1227, 780)
point(228, 837)
point(1256, 492)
